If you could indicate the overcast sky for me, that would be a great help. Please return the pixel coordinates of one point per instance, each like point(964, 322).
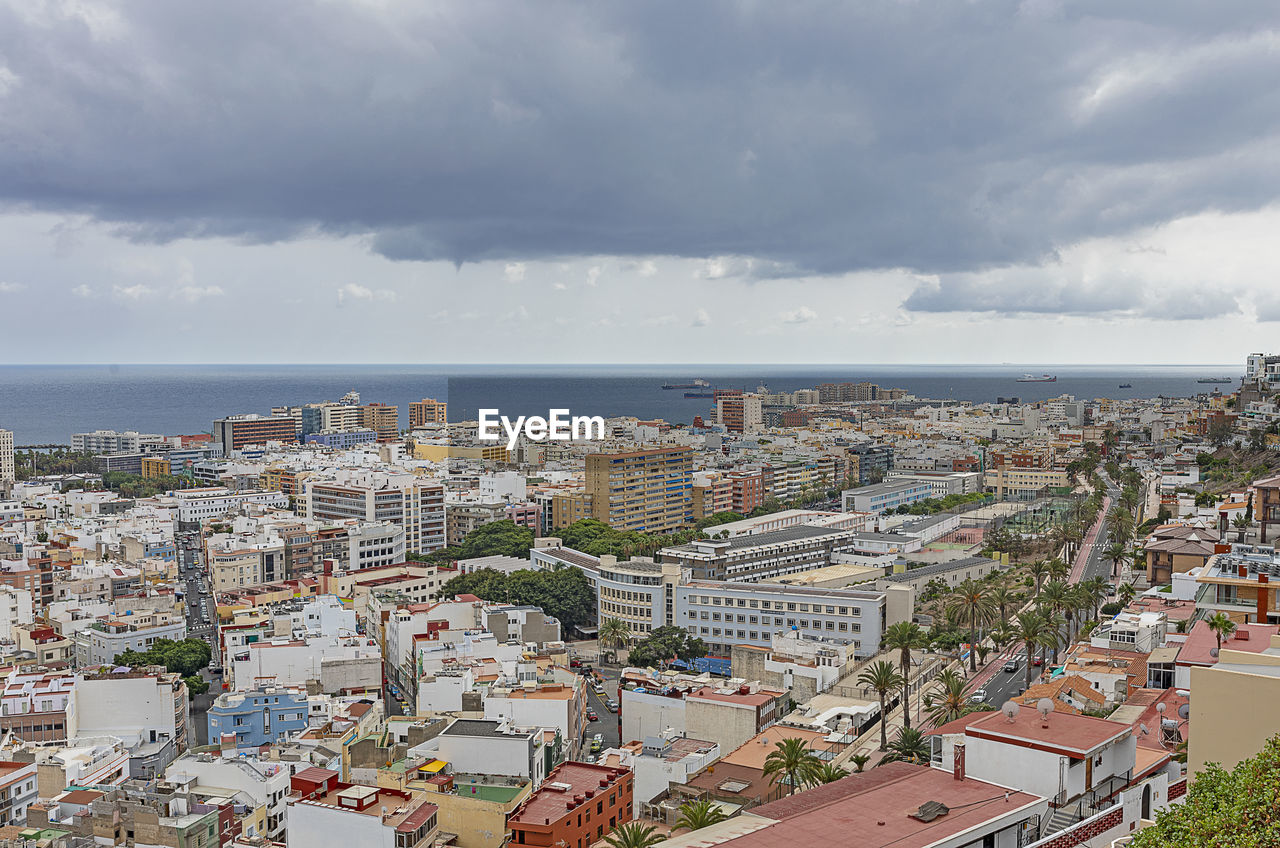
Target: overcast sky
point(425, 181)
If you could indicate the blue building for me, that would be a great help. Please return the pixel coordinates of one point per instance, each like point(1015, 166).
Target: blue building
point(342, 439)
point(259, 716)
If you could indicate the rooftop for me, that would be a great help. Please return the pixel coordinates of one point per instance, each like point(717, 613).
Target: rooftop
point(1076, 735)
point(938, 568)
point(559, 795)
point(1201, 645)
point(759, 540)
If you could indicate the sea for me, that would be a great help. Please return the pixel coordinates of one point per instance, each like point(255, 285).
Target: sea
point(45, 404)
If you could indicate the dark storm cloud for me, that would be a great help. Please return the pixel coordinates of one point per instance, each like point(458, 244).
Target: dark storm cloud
point(820, 137)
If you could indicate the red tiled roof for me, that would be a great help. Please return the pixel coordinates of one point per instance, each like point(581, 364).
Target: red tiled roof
point(1061, 732)
point(549, 803)
point(1254, 638)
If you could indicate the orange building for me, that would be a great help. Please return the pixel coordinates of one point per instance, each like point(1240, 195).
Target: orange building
point(427, 411)
point(577, 805)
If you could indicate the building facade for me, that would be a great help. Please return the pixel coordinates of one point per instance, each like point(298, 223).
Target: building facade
point(648, 490)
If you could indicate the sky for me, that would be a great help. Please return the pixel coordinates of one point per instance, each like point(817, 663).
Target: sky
point(597, 182)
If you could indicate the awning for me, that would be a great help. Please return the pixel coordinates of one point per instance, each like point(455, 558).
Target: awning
point(433, 767)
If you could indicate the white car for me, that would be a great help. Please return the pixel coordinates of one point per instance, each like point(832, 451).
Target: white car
point(979, 696)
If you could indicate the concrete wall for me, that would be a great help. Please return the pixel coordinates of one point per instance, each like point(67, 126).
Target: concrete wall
point(644, 715)
point(727, 725)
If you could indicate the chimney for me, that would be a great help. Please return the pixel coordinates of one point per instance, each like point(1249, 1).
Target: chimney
point(957, 768)
point(1264, 597)
point(1222, 522)
point(1242, 570)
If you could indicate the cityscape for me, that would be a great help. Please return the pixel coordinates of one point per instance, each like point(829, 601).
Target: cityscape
point(472, 424)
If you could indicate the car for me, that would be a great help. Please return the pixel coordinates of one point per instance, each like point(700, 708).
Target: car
point(575, 663)
point(599, 687)
point(978, 697)
point(596, 745)
point(592, 715)
point(1037, 661)
point(612, 705)
point(1011, 666)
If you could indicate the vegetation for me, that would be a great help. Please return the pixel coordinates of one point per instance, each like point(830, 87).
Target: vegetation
point(613, 634)
point(28, 464)
point(634, 834)
point(830, 773)
point(971, 601)
point(883, 678)
point(1224, 809)
point(563, 593)
point(187, 657)
point(931, 506)
point(695, 815)
point(949, 704)
point(905, 637)
point(909, 746)
point(793, 762)
point(665, 644)
point(1222, 626)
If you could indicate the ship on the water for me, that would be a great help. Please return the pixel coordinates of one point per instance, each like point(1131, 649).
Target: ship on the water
point(1126, 385)
point(696, 384)
point(1215, 380)
point(1043, 378)
point(700, 394)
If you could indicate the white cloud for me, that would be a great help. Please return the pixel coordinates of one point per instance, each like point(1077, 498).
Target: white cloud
point(191, 294)
point(82, 291)
point(514, 272)
point(355, 292)
point(647, 268)
point(593, 274)
point(700, 318)
point(803, 315)
point(11, 288)
point(135, 292)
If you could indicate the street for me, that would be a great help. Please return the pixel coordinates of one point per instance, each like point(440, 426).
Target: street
point(607, 724)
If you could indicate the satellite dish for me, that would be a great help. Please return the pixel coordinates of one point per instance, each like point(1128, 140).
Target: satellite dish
point(1213, 652)
point(1184, 711)
point(1183, 693)
point(1160, 708)
point(1044, 706)
point(1144, 730)
point(1011, 709)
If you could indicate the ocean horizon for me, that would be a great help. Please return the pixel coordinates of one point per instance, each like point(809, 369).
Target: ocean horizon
point(45, 404)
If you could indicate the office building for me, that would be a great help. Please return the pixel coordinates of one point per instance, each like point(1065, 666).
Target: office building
point(427, 411)
point(113, 441)
point(382, 419)
point(868, 463)
point(1024, 484)
point(649, 490)
point(239, 431)
point(741, 413)
point(6, 457)
point(885, 497)
point(762, 556)
point(342, 439)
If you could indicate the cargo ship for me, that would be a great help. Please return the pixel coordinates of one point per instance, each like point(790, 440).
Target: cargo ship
point(696, 384)
point(1126, 385)
point(1215, 380)
point(702, 393)
point(1043, 378)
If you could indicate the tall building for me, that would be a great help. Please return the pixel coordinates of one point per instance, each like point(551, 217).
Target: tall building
point(238, 431)
point(382, 419)
point(414, 503)
point(427, 411)
point(113, 441)
point(740, 413)
point(649, 490)
point(6, 456)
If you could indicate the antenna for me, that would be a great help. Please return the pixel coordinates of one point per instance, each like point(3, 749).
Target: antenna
point(1010, 710)
point(1044, 706)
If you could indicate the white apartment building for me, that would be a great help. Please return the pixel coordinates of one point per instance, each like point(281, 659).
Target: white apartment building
point(6, 457)
point(15, 608)
point(114, 441)
point(104, 640)
point(17, 791)
point(415, 503)
point(374, 545)
point(266, 783)
point(197, 505)
point(941, 483)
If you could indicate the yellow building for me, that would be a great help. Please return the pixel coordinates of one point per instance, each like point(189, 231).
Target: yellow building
point(427, 411)
point(1230, 707)
point(155, 466)
point(439, 452)
point(1023, 483)
point(568, 507)
point(649, 490)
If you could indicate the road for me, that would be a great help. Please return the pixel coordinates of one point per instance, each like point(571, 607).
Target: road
point(607, 724)
point(201, 613)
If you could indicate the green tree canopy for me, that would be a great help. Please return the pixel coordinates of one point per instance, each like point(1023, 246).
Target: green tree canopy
point(664, 644)
point(562, 593)
point(1224, 809)
point(186, 657)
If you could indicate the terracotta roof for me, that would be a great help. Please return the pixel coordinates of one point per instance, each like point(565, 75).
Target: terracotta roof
point(1059, 732)
point(1197, 650)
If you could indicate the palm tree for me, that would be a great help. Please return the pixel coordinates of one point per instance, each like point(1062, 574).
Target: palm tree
point(909, 746)
point(1116, 553)
point(830, 773)
point(972, 601)
point(695, 815)
point(1121, 522)
point(614, 633)
point(1126, 593)
point(1054, 596)
point(1222, 626)
point(634, 835)
point(1077, 601)
point(1241, 524)
point(1054, 635)
point(950, 703)
point(1038, 570)
point(1058, 570)
point(1095, 588)
point(905, 637)
point(1030, 630)
point(792, 762)
point(1003, 597)
point(859, 762)
point(883, 678)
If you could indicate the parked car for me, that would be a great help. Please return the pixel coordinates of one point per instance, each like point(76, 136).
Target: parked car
point(1037, 661)
point(575, 663)
point(612, 705)
point(978, 697)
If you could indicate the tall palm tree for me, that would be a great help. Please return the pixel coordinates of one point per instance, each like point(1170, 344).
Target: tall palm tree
point(1004, 597)
point(905, 637)
point(830, 773)
point(1030, 629)
point(793, 762)
point(881, 677)
point(1222, 626)
point(1054, 633)
point(1038, 570)
point(1126, 593)
point(909, 746)
point(614, 633)
point(1120, 520)
point(1054, 596)
point(634, 835)
point(695, 815)
point(948, 704)
point(1095, 589)
point(1077, 601)
point(971, 600)
point(1058, 569)
point(1116, 553)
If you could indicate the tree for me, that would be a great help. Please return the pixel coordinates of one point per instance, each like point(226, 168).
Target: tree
point(793, 762)
point(1242, 525)
point(186, 657)
point(1219, 431)
point(1030, 629)
point(1095, 590)
point(505, 538)
point(859, 761)
point(665, 644)
point(909, 746)
point(972, 600)
point(695, 815)
point(196, 685)
point(1038, 570)
point(1116, 553)
point(1222, 626)
point(905, 637)
point(1058, 570)
point(634, 834)
point(882, 678)
point(830, 773)
point(614, 633)
point(562, 593)
point(1126, 593)
point(1234, 808)
point(950, 703)
point(1003, 597)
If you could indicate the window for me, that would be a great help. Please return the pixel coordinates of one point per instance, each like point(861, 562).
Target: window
point(803, 607)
